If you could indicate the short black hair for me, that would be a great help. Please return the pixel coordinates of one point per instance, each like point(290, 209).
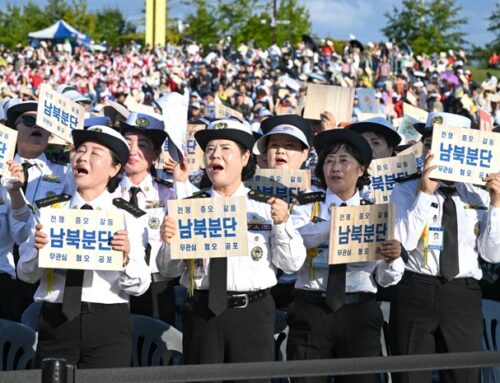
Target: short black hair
point(113, 182)
point(334, 147)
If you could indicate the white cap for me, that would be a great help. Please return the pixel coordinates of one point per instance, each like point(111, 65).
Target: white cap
point(290, 130)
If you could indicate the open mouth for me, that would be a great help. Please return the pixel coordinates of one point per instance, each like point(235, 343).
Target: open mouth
point(280, 161)
point(36, 133)
point(216, 167)
point(81, 171)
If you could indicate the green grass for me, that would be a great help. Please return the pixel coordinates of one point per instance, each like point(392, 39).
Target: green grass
point(479, 73)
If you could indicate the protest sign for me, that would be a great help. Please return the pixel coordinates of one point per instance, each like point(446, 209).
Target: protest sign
point(58, 114)
point(8, 139)
point(464, 155)
point(223, 111)
point(366, 100)
point(284, 183)
point(194, 154)
point(485, 122)
point(209, 227)
point(414, 113)
point(174, 109)
point(334, 99)
point(357, 232)
point(385, 171)
point(418, 151)
point(79, 239)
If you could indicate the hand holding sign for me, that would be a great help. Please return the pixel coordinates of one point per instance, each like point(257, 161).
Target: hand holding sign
point(120, 242)
point(16, 171)
point(279, 210)
point(168, 229)
point(493, 186)
point(429, 185)
point(390, 250)
point(180, 172)
point(41, 239)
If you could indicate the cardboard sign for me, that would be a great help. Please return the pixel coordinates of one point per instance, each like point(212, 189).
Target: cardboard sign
point(58, 114)
point(384, 172)
point(366, 100)
point(485, 122)
point(418, 151)
point(284, 183)
point(132, 105)
point(464, 155)
point(411, 98)
point(79, 239)
point(415, 114)
point(223, 111)
point(164, 156)
point(358, 231)
point(209, 227)
point(407, 131)
point(334, 99)
point(8, 139)
point(194, 154)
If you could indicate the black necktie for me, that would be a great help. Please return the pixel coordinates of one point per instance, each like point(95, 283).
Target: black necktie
point(134, 190)
point(217, 293)
point(335, 288)
point(448, 258)
point(26, 166)
point(72, 298)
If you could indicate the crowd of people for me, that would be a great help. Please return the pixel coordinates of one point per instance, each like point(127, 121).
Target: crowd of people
point(229, 314)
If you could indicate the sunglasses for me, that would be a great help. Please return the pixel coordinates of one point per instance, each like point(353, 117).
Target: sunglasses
point(29, 121)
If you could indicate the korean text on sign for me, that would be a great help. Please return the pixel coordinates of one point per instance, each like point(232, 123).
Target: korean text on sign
point(58, 114)
point(357, 232)
point(284, 183)
point(464, 155)
point(8, 138)
point(209, 227)
point(80, 239)
point(385, 171)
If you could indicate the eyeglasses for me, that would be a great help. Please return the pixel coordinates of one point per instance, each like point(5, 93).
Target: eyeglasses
point(28, 120)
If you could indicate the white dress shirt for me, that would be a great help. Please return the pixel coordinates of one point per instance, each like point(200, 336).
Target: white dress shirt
point(360, 275)
point(15, 227)
point(282, 248)
point(98, 286)
point(46, 178)
point(478, 227)
point(153, 199)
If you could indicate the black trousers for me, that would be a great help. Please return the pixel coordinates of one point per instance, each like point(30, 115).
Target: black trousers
point(430, 316)
point(237, 335)
point(100, 337)
point(157, 302)
point(318, 333)
point(13, 301)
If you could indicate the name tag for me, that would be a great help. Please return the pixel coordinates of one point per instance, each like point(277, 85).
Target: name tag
point(436, 235)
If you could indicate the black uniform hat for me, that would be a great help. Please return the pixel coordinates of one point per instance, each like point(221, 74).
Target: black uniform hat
point(18, 109)
point(106, 136)
point(351, 137)
point(380, 126)
point(228, 129)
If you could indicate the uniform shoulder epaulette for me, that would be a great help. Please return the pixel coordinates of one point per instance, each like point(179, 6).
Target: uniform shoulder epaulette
point(260, 196)
point(48, 201)
point(407, 178)
point(127, 206)
point(306, 198)
point(200, 194)
point(163, 182)
point(364, 202)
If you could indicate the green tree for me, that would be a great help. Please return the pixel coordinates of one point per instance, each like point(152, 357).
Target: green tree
point(202, 22)
point(427, 26)
point(111, 24)
point(494, 26)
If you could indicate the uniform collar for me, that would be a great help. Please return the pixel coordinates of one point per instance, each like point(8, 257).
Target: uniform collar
point(332, 198)
point(100, 203)
point(40, 161)
point(145, 185)
point(241, 191)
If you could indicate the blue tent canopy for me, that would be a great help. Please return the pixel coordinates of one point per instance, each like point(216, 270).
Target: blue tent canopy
point(60, 30)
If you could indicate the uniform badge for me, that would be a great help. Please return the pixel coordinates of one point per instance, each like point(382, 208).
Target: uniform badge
point(154, 223)
point(142, 122)
point(50, 194)
point(257, 253)
point(477, 229)
point(437, 120)
point(52, 178)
